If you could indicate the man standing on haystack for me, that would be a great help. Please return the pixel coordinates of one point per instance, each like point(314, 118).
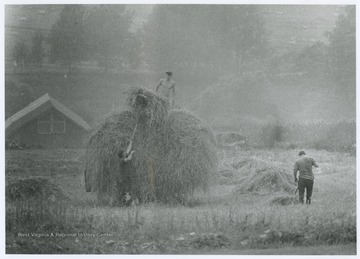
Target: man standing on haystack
point(306, 176)
point(165, 86)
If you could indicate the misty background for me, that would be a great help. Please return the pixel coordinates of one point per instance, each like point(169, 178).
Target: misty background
point(234, 65)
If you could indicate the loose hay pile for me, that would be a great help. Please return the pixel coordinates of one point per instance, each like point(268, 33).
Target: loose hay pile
point(283, 199)
point(33, 188)
point(265, 177)
point(175, 152)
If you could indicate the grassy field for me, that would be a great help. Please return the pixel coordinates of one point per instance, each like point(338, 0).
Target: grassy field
point(221, 221)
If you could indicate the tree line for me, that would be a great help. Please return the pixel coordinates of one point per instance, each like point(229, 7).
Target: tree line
point(218, 37)
point(180, 36)
point(203, 40)
point(97, 33)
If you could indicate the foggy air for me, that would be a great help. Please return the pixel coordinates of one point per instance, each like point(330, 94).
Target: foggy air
point(180, 129)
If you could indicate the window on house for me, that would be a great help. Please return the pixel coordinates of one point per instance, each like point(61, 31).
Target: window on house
point(58, 123)
point(44, 124)
point(51, 123)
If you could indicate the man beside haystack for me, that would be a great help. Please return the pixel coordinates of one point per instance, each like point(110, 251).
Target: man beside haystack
point(306, 176)
point(126, 169)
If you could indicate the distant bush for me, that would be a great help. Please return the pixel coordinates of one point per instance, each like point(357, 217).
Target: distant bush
point(272, 134)
point(330, 136)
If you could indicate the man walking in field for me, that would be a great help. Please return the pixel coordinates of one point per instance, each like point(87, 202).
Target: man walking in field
point(306, 176)
point(166, 86)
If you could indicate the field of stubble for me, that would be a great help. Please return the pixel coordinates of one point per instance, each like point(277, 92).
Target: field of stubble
point(221, 221)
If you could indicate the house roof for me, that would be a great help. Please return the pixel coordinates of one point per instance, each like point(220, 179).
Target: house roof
point(36, 108)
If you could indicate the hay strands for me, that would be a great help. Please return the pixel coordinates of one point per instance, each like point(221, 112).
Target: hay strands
point(129, 148)
point(175, 152)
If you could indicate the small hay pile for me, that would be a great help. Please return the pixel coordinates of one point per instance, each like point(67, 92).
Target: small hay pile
point(265, 177)
point(283, 199)
point(175, 152)
point(33, 188)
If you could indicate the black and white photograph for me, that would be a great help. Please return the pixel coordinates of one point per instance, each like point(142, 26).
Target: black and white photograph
point(179, 128)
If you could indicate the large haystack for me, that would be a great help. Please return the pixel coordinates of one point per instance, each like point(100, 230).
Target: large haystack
point(175, 152)
point(265, 177)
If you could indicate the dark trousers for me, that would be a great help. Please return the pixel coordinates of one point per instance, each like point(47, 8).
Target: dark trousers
point(308, 185)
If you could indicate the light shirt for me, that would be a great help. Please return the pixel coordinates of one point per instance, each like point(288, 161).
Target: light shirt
point(165, 87)
point(304, 166)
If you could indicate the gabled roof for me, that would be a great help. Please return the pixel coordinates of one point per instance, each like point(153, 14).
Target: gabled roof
point(36, 108)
